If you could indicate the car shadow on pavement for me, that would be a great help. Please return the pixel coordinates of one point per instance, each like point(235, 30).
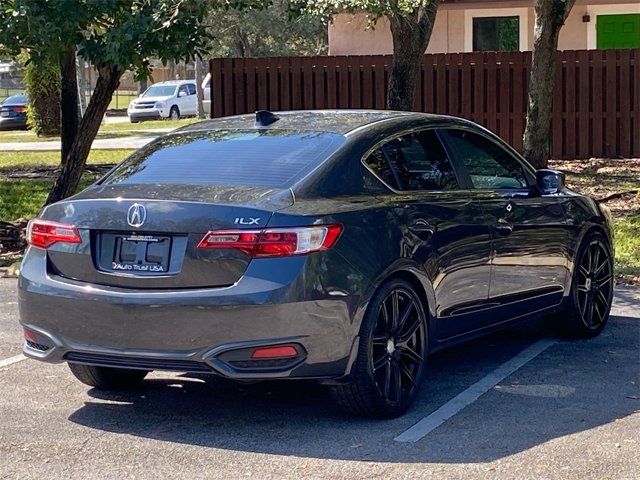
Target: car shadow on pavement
point(571, 387)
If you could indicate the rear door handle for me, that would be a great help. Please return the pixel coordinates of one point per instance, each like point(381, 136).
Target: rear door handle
point(421, 228)
point(503, 228)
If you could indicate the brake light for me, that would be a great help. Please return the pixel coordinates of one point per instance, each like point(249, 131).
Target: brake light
point(274, 242)
point(44, 233)
point(18, 108)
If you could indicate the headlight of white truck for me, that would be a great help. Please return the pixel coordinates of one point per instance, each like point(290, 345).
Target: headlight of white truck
point(160, 104)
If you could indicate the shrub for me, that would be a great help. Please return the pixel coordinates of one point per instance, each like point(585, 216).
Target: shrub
point(42, 83)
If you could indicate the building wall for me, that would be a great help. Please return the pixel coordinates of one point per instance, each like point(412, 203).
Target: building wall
point(349, 35)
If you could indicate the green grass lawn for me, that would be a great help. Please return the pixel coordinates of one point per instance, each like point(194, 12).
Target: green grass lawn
point(109, 130)
point(121, 100)
point(627, 243)
point(23, 198)
point(27, 160)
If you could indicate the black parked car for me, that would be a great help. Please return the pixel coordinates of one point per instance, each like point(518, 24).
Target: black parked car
point(343, 246)
point(13, 113)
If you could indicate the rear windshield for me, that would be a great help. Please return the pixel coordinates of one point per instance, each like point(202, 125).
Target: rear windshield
point(261, 158)
point(19, 99)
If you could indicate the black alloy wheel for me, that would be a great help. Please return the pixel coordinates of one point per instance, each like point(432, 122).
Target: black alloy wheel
point(392, 352)
point(398, 346)
point(594, 288)
point(586, 309)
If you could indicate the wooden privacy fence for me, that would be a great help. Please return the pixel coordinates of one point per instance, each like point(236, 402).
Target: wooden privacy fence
point(596, 100)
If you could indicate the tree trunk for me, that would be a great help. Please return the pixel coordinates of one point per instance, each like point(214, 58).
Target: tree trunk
point(411, 34)
point(142, 86)
point(550, 16)
point(69, 178)
point(69, 106)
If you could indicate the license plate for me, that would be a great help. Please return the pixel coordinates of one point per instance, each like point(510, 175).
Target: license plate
point(141, 254)
point(6, 113)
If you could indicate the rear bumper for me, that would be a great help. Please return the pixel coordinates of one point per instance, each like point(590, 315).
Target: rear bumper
point(191, 330)
point(13, 123)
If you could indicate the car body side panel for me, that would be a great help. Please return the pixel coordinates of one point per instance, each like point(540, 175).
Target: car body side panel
point(583, 215)
point(451, 258)
point(532, 259)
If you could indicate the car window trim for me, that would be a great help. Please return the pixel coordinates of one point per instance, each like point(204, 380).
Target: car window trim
point(529, 175)
point(399, 134)
point(394, 170)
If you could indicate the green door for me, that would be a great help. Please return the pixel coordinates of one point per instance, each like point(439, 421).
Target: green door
point(618, 31)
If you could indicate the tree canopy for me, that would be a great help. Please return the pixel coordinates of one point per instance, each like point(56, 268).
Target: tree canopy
point(411, 23)
point(115, 36)
point(271, 31)
point(375, 9)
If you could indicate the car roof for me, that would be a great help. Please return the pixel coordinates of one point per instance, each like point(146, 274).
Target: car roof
point(174, 82)
point(17, 99)
point(335, 121)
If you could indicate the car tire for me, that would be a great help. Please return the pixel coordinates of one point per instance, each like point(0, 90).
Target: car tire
point(587, 307)
point(105, 378)
point(174, 113)
point(134, 121)
point(391, 360)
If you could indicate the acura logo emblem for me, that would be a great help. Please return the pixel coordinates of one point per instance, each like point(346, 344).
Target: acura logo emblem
point(136, 215)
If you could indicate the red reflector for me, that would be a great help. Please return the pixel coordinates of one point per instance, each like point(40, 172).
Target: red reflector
point(275, 352)
point(30, 335)
point(43, 233)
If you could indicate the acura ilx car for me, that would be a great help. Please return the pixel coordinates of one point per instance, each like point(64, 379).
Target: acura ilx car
point(341, 246)
point(13, 112)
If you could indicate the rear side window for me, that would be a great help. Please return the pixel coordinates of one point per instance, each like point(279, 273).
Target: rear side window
point(489, 165)
point(191, 88)
point(269, 158)
point(415, 161)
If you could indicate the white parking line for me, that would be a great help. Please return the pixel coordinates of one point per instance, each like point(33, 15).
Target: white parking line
point(471, 394)
point(11, 360)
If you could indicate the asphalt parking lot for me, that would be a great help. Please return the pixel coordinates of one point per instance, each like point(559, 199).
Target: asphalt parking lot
point(564, 409)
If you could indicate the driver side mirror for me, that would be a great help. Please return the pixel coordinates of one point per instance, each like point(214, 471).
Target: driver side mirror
point(550, 181)
point(182, 94)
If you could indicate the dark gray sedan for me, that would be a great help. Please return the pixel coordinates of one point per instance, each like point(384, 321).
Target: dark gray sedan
point(342, 246)
point(13, 113)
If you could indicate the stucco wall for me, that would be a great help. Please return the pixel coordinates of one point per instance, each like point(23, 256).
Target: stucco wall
point(573, 35)
point(348, 34)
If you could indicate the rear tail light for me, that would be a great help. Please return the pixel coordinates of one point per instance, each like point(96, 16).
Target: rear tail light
point(44, 233)
point(18, 108)
point(274, 242)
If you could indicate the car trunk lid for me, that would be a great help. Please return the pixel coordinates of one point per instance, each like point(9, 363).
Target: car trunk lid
point(148, 237)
